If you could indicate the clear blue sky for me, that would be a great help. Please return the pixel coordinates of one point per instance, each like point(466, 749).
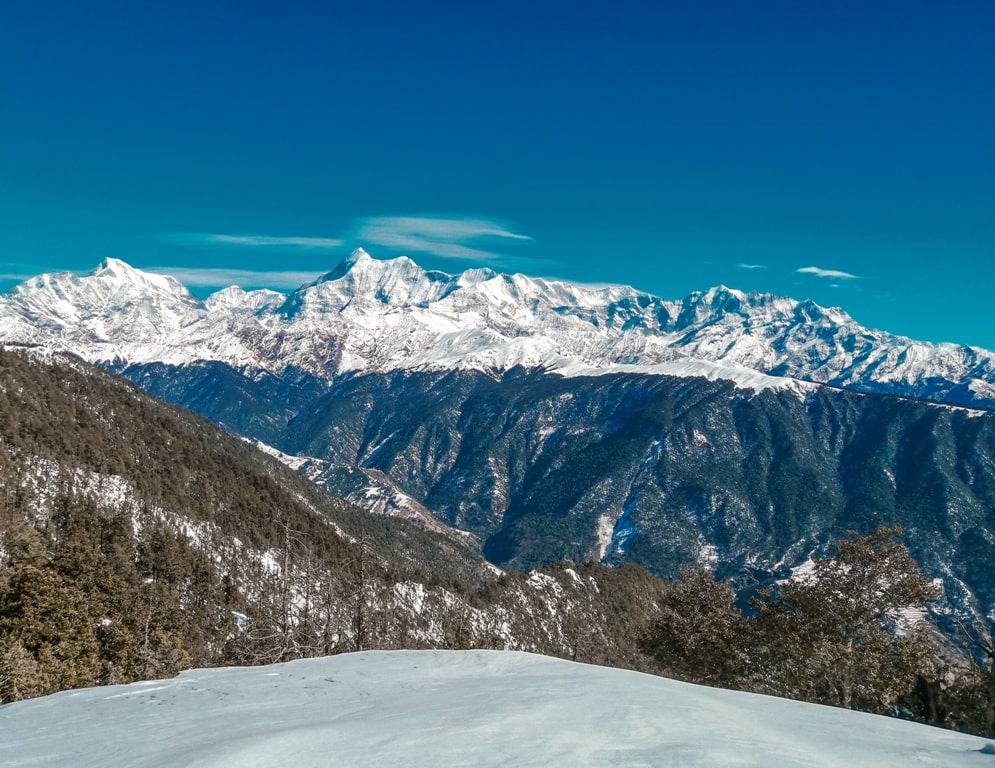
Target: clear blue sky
point(671, 146)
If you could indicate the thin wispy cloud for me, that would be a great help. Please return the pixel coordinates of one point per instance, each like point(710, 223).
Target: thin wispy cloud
point(254, 241)
point(14, 271)
point(741, 265)
point(18, 276)
point(827, 273)
point(448, 237)
point(217, 278)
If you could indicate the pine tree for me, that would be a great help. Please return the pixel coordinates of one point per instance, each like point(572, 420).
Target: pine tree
point(47, 639)
point(837, 635)
point(697, 635)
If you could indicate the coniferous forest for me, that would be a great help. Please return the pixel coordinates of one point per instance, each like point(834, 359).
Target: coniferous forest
point(137, 540)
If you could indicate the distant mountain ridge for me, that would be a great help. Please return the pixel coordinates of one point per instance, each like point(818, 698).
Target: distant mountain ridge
point(552, 421)
point(383, 366)
point(370, 315)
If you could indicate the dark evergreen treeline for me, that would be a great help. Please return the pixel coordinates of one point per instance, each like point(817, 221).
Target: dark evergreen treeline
point(850, 632)
point(83, 602)
point(78, 416)
point(214, 553)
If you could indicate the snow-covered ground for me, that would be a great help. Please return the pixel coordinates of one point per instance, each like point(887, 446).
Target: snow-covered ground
point(451, 708)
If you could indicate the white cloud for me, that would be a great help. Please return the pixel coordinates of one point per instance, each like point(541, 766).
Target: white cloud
point(443, 236)
point(448, 237)
point(255, 241)
point(833, 273)
point(741, 265)
point(214, 278)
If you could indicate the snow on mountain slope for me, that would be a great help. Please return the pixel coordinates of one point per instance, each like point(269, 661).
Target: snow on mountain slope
point(121, 314)
point(236, 301)
point(431, 708)
point(370, 489)
point(742, 377)
point(376, 316)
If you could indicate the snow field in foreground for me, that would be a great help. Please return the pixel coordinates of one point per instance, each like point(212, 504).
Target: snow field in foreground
point(453, 708)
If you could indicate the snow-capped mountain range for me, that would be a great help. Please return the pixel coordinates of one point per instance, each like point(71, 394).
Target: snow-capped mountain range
point(471, 399)
point(372, 315)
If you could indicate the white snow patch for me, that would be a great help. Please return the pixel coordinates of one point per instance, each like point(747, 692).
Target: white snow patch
point(294, 462)
point(605, 531)
point(411, 593)
point(804, 572)
point(541, 581)
point(708, 555)
point(744, 378)
point(573, 575)
point(910, 616)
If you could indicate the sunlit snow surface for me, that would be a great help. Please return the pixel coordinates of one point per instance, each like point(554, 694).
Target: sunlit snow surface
point(471, 708)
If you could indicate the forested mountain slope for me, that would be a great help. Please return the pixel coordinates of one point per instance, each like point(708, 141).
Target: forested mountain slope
point(657, 470)
point(137, 540)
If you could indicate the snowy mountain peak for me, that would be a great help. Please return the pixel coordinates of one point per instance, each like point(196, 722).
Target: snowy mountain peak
point(234, 299)
point(116, 274)
point(345, 266)
point(112, 266)
point(396, 282)
point(474, 276)
point(721, 293)
point(112, 287)
point(370, 314)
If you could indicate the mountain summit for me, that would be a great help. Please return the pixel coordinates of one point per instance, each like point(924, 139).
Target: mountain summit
point(382, 315)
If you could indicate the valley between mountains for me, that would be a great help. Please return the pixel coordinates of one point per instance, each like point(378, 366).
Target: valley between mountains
point(550, 420)
point(535, 422)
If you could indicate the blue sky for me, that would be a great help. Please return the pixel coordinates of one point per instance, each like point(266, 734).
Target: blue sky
point(843, 152)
